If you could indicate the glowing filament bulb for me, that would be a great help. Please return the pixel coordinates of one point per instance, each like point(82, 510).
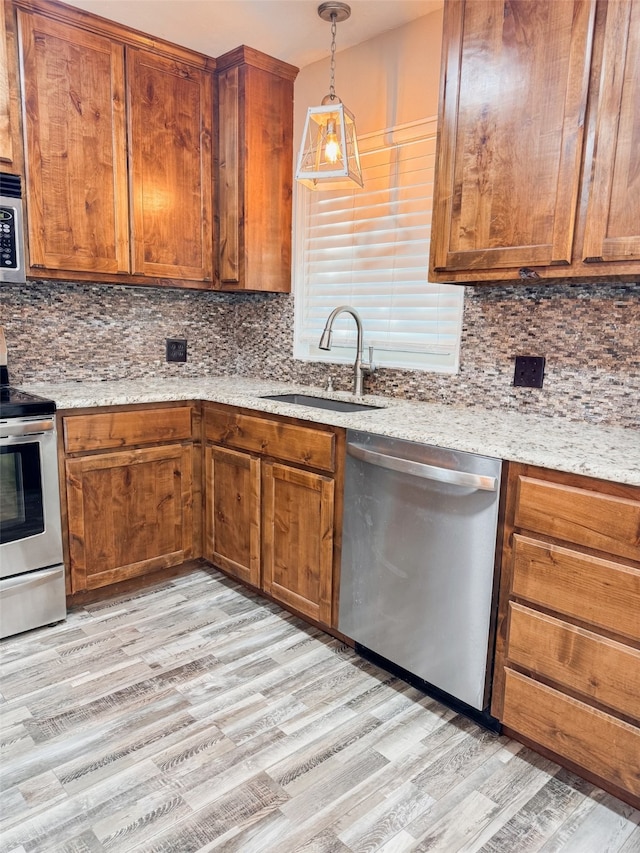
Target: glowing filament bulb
point(332, 151)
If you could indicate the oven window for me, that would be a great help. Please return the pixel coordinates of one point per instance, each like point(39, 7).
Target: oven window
point(21, 500)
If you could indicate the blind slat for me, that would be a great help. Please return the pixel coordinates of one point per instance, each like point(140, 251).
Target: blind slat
point(369, 249)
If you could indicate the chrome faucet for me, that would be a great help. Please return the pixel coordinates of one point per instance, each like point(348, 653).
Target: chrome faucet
point(360, 367)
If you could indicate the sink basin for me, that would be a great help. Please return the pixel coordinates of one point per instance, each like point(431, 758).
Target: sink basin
point(320, 402)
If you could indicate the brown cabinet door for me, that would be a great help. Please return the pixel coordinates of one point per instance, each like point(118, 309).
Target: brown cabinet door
point(297, 519)
point(6, 137)
point(232, 507)
point(170, 128)
point(129, 513)
point(76, 148)
point(514, 94)
point(613, 214)
point(255, 153)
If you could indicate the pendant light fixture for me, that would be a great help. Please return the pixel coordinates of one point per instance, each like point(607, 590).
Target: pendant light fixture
point(329, 157)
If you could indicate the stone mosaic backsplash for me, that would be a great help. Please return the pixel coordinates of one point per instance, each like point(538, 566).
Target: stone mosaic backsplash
point(589, 334)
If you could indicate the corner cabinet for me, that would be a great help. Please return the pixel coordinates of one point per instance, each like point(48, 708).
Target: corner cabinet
point(254, 168)
point(131, 493)
point(567, 671)
point(273, 506)
point(118, 142)
point(538, 126)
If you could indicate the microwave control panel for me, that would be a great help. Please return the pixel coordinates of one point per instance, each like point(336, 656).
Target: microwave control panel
point(8, 239)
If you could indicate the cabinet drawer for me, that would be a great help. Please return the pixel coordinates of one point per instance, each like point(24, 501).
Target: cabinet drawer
point(289, 442)
point(591, 738)
point(586, 662)
point(122, 429)
point(601, 592)
point(583, 517)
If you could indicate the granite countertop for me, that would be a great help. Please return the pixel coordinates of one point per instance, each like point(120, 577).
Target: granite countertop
point(610, 453)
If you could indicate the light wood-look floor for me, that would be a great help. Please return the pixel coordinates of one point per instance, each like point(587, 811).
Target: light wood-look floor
point(193, 716)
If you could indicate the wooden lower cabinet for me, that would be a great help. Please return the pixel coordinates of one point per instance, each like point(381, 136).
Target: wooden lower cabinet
point(271, 522)
point(232, 528)
point(567, 672)
point(135, 510)
point(298, 509)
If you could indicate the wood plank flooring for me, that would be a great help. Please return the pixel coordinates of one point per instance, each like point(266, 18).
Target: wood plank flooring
point(195, 716)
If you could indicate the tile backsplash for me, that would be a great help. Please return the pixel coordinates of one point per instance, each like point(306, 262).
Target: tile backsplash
point(589, 334)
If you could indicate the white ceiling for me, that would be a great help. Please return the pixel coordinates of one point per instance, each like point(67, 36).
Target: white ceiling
point(287, 29)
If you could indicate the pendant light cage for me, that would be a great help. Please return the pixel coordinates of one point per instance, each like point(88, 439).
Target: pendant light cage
point(329, 156)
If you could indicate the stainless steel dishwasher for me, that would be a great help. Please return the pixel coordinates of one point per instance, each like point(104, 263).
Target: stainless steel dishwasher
point(419, 546)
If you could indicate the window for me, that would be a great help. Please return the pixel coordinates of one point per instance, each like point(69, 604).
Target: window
point(369, 248)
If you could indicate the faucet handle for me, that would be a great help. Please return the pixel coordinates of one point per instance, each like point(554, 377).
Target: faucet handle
point(371, 366)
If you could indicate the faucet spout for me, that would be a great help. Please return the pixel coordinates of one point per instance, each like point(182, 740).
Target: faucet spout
point(360, 367)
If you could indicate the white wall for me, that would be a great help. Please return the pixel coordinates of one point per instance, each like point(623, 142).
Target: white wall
point(388, 80)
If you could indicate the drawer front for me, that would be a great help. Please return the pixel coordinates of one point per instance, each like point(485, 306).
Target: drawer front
point(123, 429)
point(583, 517)
point(593, 665)
point(592, 739)
point(601, 592)
point(312, 447)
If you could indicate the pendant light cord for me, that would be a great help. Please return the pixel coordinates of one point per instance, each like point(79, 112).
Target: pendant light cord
point(332, 84)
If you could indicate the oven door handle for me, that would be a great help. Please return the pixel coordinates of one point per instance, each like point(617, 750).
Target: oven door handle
point(26, 427)
point(419, 469)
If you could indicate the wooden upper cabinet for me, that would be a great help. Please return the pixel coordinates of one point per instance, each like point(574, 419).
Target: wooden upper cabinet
point(76, 147)
point(255, 172)
point(119, 159)
point(512, 111)
point(170, 128)
point(539, 130)
point(613, 214)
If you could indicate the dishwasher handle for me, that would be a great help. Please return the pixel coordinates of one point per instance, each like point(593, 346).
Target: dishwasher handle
point(420, 469)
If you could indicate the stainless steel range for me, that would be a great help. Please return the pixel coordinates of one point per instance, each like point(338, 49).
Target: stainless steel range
point(32, 584)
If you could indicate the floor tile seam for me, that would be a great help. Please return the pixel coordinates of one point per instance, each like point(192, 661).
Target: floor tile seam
point(329, 816)
point(112, 706)
point(461, 790)
point(490, 754)
point(82, 795)
point(144, 847)
point(93, 735)
point(287, 672)
point(159, 728)
point(386, 810)
point(509, 810)
point(261, 761)
point(589, 803)
point(469, 845)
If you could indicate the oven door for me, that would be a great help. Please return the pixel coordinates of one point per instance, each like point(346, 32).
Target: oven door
point(30, 525)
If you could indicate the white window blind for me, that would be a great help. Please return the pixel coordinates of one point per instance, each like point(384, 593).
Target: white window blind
point(369, 248)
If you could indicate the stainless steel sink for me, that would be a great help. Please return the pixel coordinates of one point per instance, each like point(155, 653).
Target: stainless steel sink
point(320, 402)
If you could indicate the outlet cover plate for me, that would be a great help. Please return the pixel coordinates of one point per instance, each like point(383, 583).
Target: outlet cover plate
point(529, 372)
point(176, 349)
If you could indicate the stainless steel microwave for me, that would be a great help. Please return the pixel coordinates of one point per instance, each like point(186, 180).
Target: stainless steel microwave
point(12, 260)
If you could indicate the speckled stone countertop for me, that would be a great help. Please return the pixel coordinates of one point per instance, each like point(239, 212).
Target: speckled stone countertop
point(609, 453)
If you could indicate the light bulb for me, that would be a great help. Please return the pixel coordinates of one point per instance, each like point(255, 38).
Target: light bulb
point(332, 151)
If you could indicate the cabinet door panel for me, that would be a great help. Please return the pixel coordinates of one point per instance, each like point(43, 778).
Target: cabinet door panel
point(233, 512)
point(613, 216)
point(298, 539)
point(129, 513)
point(6, 139)
point(511, 128)
point(170, 128)
point(76, 148)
